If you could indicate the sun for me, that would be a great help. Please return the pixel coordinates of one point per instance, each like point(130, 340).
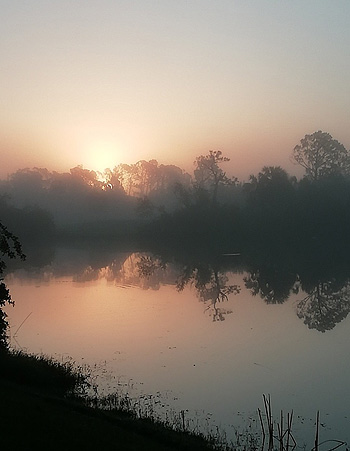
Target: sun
point(101, 156)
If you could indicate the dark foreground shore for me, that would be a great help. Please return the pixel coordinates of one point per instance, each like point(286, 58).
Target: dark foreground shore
point(36, 413)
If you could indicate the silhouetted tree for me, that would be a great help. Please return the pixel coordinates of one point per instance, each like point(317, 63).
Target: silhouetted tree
point(110, 180)
point(10, 247)
point(270, 204)
point(145, 176)
point(209, 175)
point(184, 195)
point(271, 177)
point(89, 178)
point(323, 210)
point(145, 207)
point(321, 155)
point(271, 188)
point(148, 178)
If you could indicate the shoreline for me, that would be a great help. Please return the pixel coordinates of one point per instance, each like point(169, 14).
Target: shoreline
point(38, 410)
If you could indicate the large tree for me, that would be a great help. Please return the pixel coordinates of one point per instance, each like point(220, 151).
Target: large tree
point(321, 155)
point(146, 178)
point(209, 175)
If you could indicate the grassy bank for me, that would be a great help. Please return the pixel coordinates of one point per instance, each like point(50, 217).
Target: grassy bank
point(44, 405)
point(41, 410)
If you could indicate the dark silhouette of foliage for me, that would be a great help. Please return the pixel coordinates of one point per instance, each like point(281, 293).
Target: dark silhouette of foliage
point(32, 223)
point(270, 207)
point(211, 286)
point(322, 213)
point(10, 247)
point(272, 285)
point(321, 155)
point(144, 207)
point(149, 178)
point(208, 174)
point(325, 306)
point(319, 275)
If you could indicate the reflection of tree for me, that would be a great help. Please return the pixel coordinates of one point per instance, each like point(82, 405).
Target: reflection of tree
point(147, 265)
point(271, 273)
point(326, 305)
point(87, 274)
point(135, 269)
point(146, 271)
point(326, 302)
point(211, 286)
point(271, 284)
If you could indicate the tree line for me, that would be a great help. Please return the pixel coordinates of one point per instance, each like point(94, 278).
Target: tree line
point(271, 209)
point(154, 201)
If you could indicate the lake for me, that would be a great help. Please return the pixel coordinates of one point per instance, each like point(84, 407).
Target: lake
point(210, 336)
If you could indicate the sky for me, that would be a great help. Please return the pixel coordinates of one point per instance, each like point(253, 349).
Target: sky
point(104, 82)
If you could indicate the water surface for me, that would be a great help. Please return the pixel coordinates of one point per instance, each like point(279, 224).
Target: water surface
point(193, 333)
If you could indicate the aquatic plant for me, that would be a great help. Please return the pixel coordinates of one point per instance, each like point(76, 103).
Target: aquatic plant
point(283, 439)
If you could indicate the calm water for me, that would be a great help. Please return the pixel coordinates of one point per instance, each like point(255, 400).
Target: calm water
point(193, 333)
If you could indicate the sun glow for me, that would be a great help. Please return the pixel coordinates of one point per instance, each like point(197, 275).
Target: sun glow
point(101, 156)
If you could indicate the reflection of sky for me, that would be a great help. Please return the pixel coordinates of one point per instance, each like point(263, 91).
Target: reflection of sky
point(166, 341)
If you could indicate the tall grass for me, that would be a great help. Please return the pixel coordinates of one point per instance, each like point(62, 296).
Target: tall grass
point(44, 373)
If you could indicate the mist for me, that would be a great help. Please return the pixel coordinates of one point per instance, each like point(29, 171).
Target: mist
point(151, 203)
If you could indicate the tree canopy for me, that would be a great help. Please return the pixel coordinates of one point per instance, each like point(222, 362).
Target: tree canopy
point(209, 175)
point(321, 155)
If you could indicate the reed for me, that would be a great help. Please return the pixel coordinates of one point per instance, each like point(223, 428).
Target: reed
point(284, 440)
point(317, 431)
point(336, 443)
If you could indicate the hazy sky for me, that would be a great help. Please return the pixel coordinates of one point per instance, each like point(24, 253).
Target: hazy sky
point(102, 82)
